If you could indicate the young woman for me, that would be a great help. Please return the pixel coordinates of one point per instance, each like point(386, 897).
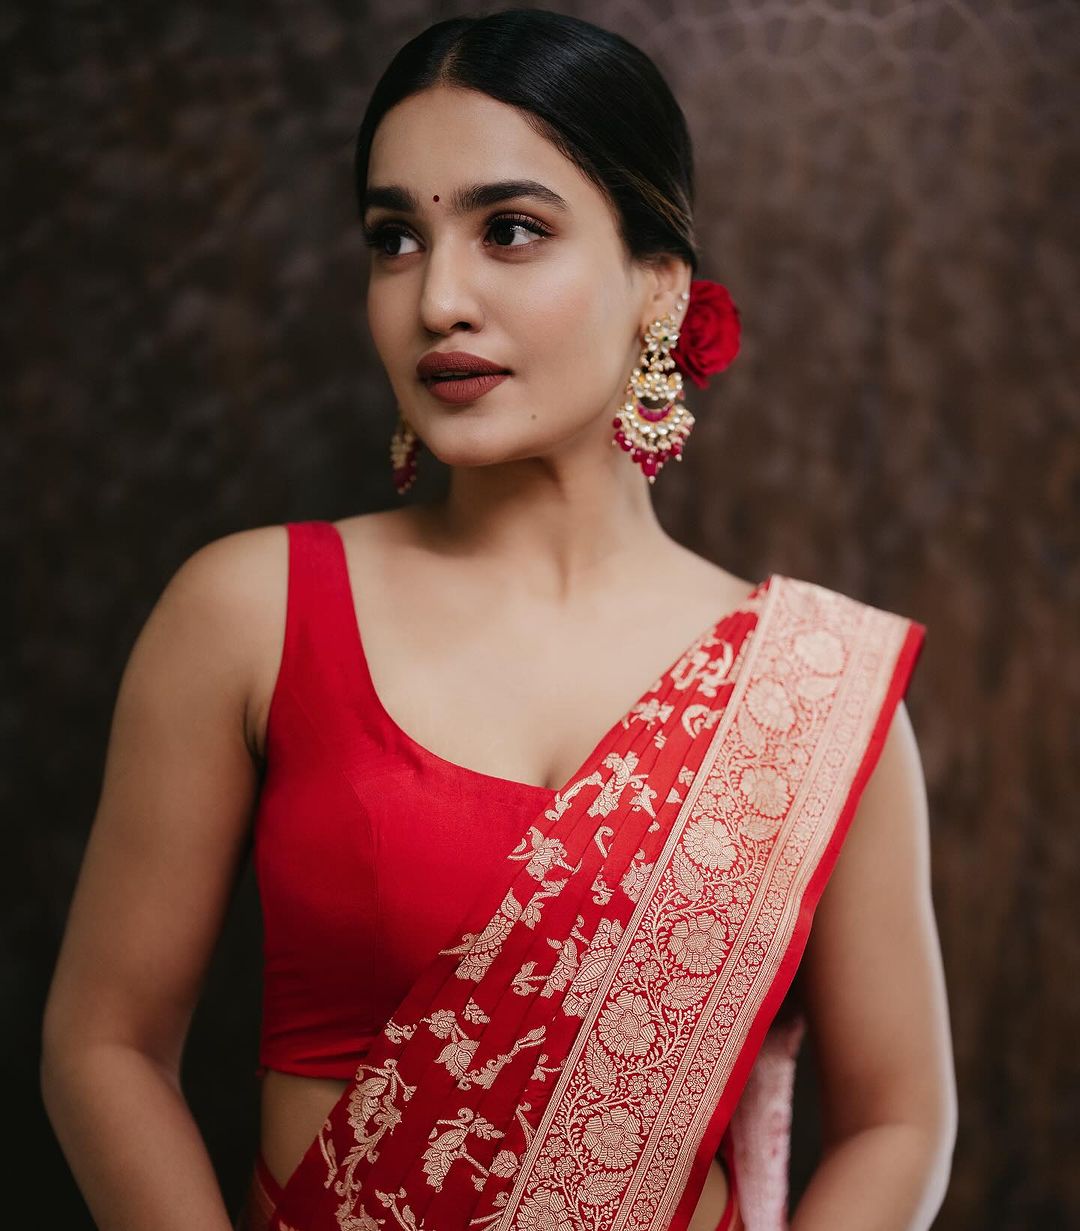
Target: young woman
point(543, 803)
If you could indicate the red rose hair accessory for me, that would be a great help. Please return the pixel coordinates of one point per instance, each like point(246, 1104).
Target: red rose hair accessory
point(653, 423)
point(710, 333)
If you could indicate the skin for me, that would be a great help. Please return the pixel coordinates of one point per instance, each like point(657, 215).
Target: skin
point(547, 538)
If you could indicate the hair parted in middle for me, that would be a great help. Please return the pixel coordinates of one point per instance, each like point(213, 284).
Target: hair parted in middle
point(596, 97)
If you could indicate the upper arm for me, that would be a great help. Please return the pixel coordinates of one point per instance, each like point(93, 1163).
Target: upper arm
point(872, 975)
point(173, 817)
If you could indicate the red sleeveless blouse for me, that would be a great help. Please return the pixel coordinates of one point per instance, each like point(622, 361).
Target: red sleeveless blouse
point(368, 847)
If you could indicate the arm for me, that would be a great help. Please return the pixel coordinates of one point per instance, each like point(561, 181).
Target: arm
point(878, 1015)
point(166, 845)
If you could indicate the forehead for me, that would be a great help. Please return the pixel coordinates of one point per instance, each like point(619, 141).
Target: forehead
point(444, 137)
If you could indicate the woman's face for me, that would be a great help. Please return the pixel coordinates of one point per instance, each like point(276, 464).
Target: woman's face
point(538, 284)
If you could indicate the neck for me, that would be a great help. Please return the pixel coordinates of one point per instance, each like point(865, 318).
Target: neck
point(560, 524)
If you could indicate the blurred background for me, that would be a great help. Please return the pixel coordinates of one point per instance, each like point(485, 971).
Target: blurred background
point(891, 191)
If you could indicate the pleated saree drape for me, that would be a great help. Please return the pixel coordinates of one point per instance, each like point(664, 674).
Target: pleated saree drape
point(574, 1060)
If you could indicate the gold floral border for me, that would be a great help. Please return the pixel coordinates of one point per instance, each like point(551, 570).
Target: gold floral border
point(818, 670)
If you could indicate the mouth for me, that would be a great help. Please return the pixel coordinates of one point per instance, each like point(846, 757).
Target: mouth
point(440, 377)
point(460, 387)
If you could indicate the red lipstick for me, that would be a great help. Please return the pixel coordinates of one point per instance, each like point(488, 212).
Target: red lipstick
point(458, 376)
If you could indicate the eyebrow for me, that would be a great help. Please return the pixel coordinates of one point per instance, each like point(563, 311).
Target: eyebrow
point(465, 200)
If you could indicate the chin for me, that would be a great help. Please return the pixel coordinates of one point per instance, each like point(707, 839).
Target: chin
point(486, 446)
point(455, 442)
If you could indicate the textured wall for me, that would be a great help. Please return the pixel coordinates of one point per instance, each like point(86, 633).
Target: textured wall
point(890, 190)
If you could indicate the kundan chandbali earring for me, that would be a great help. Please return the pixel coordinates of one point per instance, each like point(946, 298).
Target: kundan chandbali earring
point(653, 423)
point(404, 446)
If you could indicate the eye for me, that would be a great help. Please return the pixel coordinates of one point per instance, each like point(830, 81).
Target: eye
point(517, 222)
point(376, 237)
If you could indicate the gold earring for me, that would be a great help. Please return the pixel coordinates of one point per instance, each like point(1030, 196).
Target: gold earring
point(653, 423)
point(404, 446)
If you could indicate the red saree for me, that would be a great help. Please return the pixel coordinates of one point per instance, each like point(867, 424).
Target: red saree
point(574, 1061)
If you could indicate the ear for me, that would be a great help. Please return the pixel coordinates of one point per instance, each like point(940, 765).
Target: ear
point(668, 277)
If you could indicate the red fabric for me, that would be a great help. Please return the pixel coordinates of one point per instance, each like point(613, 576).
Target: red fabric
point(562, 873)
point(565, 1064)
point(521, 1075)
point(265, 1192)
point(359, 887)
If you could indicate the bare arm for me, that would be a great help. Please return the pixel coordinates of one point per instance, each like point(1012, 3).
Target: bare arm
point(164, 852)
point(878, 1015)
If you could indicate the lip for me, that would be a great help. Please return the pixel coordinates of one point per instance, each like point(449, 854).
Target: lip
point(466, 390)
point(455, 361)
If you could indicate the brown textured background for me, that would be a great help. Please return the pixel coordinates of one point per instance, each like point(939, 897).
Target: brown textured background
point(890, 191)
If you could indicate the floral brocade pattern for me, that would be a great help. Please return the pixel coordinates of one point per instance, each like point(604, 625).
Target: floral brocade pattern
point(713, 920)
point(558, 1069)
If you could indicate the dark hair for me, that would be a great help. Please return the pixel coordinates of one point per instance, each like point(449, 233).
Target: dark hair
point(594, 95)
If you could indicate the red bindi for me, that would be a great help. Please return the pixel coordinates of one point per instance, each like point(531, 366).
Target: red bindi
point(435, 197)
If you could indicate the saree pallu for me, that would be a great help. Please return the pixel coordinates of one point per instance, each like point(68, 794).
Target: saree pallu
point(603, 1023)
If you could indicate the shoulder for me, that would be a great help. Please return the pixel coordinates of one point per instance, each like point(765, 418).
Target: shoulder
point(231, 572)
point(387, 529)
point(229, 598)
point(889, 638)
point(842, 630)
point(239, 583)
point(808, 592)
point(885, 641)
point(231, 591)
point(718, 587)
point(831, 634)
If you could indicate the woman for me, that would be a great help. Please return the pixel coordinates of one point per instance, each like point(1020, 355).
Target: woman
point(507, 986)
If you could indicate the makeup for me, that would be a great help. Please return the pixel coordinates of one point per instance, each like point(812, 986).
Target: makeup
point(465, 389)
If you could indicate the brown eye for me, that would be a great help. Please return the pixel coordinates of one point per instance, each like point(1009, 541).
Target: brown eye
point(375, 238)
point(508, 223)
point(505, 225)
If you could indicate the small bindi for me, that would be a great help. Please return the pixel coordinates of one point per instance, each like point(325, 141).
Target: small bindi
point(435, 197)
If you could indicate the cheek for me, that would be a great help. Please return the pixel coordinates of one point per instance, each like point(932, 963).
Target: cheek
point(383, 323)
point(569, 332)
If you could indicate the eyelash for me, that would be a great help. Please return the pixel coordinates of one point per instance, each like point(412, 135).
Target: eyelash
point(373, 237)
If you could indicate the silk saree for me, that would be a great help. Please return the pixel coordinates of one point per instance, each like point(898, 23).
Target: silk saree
point(607, 1018)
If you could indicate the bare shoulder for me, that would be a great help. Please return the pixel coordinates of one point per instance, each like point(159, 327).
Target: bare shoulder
point(229, 574)
point(386, 528)
point(234, 588)
point(713, 582)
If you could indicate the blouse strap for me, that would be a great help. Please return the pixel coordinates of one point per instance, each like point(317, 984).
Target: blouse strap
point(320, 626)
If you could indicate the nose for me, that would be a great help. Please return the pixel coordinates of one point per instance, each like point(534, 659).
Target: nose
point(448, 298)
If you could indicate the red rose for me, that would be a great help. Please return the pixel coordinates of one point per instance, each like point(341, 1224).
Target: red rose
point(710, 332)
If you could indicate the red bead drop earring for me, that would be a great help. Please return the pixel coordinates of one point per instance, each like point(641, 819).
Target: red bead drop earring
point(404, 446)
point(653, 424)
